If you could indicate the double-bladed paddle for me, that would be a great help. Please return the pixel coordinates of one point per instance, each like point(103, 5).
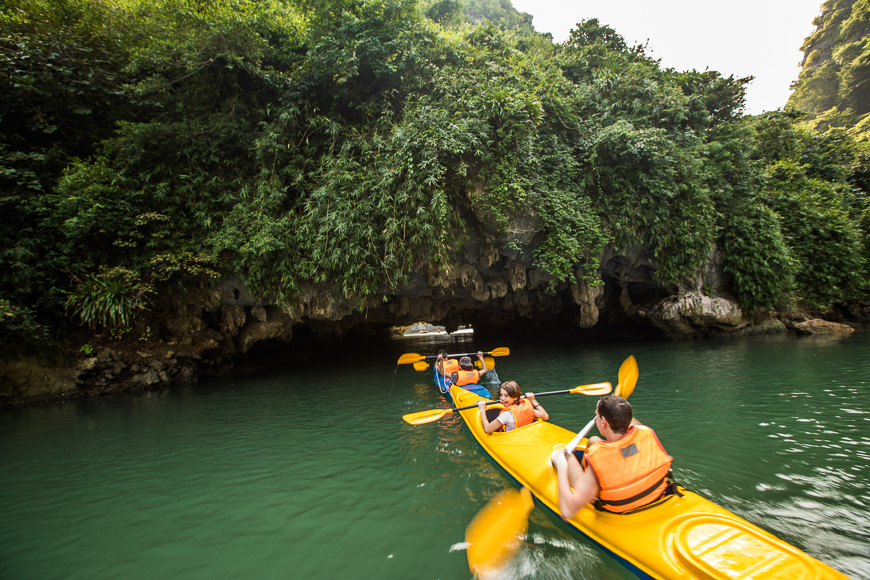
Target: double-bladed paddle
point(421, 417)
point(422, 365)
point(493, 535)
point(412, 357)
point(498, 530)
point(628, 373)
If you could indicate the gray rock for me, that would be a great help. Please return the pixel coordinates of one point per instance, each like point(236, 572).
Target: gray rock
point(276, 327)
point(232, 318)
point(259, 313)
point(87, 364)
point(148, 378)
point(690, 312)
point(819, 326)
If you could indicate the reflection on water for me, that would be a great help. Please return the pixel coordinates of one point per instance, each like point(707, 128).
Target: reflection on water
point(309, 472)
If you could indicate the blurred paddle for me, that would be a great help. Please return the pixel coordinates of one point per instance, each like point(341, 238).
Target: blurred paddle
point(496, 532)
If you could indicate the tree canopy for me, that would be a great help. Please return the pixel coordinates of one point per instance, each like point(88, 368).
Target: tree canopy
point(348, 143)
point(834, 85)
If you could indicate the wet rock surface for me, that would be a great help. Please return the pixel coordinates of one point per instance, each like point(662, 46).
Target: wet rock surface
point(493, 283)
point(819, 326)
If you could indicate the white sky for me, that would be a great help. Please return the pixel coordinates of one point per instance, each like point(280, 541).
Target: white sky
point(759, 38)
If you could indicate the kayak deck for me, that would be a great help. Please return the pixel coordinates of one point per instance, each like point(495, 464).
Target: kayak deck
point(681, 538)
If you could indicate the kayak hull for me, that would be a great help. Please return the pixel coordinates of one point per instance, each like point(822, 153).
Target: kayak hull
point(681, 538)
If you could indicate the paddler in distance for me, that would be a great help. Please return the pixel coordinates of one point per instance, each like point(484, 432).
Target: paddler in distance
point(446, 366)
point(467, 374)
point(517, 412)
point(626, 470)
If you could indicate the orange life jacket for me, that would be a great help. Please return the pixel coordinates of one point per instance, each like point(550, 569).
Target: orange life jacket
point(451, 365)
point(523, 414)
point(631, 472)
point(466, 377)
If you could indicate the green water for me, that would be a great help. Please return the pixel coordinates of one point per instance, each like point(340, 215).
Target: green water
point(309, 472)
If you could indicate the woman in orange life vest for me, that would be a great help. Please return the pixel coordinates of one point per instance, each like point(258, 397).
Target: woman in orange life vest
point(446, 366)
point(467, 375)
point(517, 412)
point(626, 470)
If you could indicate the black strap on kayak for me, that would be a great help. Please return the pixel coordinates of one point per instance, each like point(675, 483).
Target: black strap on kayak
point(670, 489)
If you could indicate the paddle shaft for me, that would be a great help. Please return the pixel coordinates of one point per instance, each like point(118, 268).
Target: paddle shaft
point(624, 388)
point(434, 356)
point(572, 445)
point(521, 397)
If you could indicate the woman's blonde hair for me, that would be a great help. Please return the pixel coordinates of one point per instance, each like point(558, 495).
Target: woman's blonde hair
point(512, 389)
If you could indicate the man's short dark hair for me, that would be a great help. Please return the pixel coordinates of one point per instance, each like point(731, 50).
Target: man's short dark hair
point(617, 411)
point(443, 353)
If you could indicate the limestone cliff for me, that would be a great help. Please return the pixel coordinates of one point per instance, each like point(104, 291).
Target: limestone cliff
point(492, 282)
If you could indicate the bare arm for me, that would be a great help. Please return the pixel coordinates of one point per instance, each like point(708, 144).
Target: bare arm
point(483, 369)
point(488, 426)
point(540, 412)
point(585, 486)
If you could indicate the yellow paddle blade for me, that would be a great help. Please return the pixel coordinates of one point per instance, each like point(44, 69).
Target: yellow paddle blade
point(503, 351)
point(490, 363)
point(421, 365)
point(598, 389)
point(410, 357)
point(628, 373)
point(496, 533)
point(422, 417)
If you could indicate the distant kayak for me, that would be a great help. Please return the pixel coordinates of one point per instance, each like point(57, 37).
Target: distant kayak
point(476, 388)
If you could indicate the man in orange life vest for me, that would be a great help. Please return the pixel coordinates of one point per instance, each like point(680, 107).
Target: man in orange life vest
point(467, 375)
point(626, 470)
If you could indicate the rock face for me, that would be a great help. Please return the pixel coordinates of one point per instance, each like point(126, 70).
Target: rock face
point(34, 378)
point(492, 282)
point(692, 313)
point(819, 326)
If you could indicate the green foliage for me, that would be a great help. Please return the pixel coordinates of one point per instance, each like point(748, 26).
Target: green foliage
point(445, 12)
point(825, 240)
point(835, 81)
point(18, 324)
point(758, 258)
point(111, 298)
point(341, 145)
point(819, 211)
point(500, 13)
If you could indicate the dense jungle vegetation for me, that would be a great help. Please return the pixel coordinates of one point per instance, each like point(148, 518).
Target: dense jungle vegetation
point(151, 144)
point(834, 85)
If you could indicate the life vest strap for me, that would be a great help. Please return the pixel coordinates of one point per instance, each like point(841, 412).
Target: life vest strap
point(599, 503)
point(672, 488)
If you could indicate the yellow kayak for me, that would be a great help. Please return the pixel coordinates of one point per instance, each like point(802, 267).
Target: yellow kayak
point(681, 538)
